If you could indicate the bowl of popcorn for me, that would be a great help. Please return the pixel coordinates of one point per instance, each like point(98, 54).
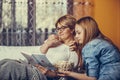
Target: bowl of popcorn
point(64, 66)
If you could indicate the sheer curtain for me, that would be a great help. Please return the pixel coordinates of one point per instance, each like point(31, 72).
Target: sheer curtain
point(48, 11)
point(29, 22)
point(26, 22)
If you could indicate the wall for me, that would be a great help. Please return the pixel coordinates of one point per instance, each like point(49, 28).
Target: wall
point(107, 14)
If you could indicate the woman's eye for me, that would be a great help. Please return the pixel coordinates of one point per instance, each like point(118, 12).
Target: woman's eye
point(78, 33)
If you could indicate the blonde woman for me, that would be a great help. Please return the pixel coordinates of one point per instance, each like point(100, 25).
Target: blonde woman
point(65, 26)
point(15, 70)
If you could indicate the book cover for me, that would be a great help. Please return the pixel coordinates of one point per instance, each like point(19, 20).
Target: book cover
point(38, 59)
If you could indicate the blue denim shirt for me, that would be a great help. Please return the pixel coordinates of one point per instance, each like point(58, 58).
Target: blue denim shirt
point(101, 60)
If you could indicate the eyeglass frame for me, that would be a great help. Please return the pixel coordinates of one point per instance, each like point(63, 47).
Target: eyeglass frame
point(61, 28)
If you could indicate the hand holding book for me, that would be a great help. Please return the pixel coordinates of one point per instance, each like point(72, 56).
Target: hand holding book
point(40, 59)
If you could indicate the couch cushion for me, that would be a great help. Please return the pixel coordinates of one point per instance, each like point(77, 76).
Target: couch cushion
point(14, 52)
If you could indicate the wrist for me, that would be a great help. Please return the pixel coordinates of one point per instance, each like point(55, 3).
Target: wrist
point(44, 48)
point(69, 73)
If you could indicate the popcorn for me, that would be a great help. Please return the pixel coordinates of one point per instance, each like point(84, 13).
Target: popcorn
point(64, 66)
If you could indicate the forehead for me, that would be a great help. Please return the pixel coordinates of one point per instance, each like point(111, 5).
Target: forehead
point(78, 27)
point(61, 25)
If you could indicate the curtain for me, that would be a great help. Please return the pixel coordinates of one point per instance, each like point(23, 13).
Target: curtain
point(29, 22)
point(83, 8)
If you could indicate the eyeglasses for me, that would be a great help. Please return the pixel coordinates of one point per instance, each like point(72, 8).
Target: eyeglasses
point(61, 28)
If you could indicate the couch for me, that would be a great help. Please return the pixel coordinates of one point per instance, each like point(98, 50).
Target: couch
point(14, 52)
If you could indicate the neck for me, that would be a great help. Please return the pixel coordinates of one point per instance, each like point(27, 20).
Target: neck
point(68, 41)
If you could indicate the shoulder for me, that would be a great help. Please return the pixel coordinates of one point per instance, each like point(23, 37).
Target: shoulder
point(98, 43)
point(99, 46)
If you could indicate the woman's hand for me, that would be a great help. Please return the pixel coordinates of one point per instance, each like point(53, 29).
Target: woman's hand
point(41, 68)
point(64, 73)
point(52, 41)
point(45, 71)
point(73, 46)
point(77, 76)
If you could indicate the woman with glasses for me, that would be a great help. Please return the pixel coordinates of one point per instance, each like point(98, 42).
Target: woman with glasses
point(56, 48)
point(65, 35)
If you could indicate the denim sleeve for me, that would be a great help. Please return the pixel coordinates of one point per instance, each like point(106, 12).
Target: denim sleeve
point(91, 61)
point(97, 54)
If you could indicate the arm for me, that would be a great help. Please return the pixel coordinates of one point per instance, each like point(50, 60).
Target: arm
point(52, 41)
point(77, 76)
point(50, 73)
point(44, 48)
point(92, 64)
point(91, 54)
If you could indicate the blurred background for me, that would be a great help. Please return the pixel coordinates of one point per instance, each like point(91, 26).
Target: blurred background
point(30, 22)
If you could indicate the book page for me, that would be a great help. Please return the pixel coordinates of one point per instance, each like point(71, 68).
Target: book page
point(38, 59)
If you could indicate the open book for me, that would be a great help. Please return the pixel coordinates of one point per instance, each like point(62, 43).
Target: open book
point(38, 59)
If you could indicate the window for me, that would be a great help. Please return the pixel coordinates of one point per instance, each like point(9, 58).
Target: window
point(24, 22)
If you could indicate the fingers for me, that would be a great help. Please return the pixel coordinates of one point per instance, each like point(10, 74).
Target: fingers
point(63, 73)
point(41, 69)
point(72, 43)
point(45, 41)
point(73, 46)
point(53, 43)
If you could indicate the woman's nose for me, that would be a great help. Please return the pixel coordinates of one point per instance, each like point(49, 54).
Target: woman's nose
point(59, 32)
point(76, 36)
point(76, 39)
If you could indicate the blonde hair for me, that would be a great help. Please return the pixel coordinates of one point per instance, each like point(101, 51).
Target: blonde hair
point(67, 20)
point(91, 29)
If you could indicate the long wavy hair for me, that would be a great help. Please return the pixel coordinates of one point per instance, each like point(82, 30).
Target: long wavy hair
point(92, 31)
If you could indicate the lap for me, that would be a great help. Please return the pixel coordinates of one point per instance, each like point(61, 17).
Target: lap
point(15, 70)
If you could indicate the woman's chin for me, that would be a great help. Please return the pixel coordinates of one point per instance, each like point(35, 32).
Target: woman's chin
point(79, 42)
